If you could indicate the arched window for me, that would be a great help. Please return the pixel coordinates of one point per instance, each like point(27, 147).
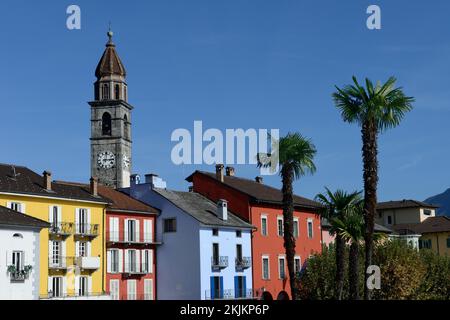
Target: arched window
point(105, 92)
point(18, 235)
point(117, 92)
point(126, 127)
point(106, 124)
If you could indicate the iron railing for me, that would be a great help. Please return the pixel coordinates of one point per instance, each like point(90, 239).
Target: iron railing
point(125, 237)
point(229, 294)
point(61, 228)
point(137, 268)
point(219, 262)
point(86, 229)
point(60, 262)
point(18, 276)
point(133, 297)
point(74, 296)
point(243, 263)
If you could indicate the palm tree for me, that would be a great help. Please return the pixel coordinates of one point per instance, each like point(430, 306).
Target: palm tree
point(375, 109)
point(338, 205)
point(296, 159)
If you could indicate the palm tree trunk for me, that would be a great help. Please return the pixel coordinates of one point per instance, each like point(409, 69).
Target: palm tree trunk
point(288, 217)
point(370, 161)
point(340, 266)
point(353, 271)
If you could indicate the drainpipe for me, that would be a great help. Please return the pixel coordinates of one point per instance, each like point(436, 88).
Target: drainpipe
point(103, 251)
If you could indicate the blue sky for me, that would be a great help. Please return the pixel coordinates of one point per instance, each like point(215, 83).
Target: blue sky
point(231, 64)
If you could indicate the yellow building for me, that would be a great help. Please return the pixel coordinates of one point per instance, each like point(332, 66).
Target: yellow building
point(72, 255)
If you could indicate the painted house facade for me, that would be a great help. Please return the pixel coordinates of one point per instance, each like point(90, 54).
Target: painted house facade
point(71, 260)
point(19, 255)
point(131, 247)
point(260, 205)
point(206, 249)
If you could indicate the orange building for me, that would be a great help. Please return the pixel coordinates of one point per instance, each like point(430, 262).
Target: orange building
point(261, 206)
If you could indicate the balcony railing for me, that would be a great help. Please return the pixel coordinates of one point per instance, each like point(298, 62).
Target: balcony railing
point(88, 263)
point(134, 297)
point(86, 230)
point(73, 296)
point(243, 263)
point(61, 228)
point(219, 262)
point(60, 263)
point(229, 294)
point(125, 237)
point(137, 268)
point(18, 276)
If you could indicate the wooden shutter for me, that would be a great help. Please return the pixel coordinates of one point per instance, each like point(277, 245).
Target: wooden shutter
point(127, 265)
point(77, 227)
point(50, 214)
point(150, 259)
point(77, 285)
point(108, 261)
point(89, 285)
point(125, 229)
point(137, 231)
point(120, 260)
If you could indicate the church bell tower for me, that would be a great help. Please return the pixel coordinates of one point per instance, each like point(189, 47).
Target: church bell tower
point(111, 121)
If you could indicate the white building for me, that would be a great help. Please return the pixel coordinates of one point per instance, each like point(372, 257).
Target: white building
point(19, 255)
point(206, 250)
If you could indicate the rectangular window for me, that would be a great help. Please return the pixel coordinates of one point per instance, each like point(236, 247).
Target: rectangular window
point(56, 289)
point(295, 227)
point(239, 252)
point(114, 261)
point(215, 253)
point(265, 268)
point(215, 232)
point(170, 225)
point(427, 212)
point(16, 206)
point(238, 234)
point(148, 289)
point(240, 287)
point(114, 289)
point(448, 242)
point(146, 260)
point(131, 289)
point(57, 260)
point(281, 267)
point(83, 227)
point(297, 264)
point(17, 260)
point(264, 225)
point(82, 249)
point(310, 229)
point(83, 286)
point(131, 231)
point(280, 226)
point(425, 244)
point(132, 260)
point(389, 220)
point(216, 289)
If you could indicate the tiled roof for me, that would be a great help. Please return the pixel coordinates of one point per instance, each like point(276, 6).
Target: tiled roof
point(201, 208)
point(13, 218)
point(122, 201)
point(258, 191)
point(21, 180)
point(110, 63)
point(429, 225)
point(404, 204)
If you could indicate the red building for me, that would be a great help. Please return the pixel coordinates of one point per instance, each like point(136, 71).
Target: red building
point(261, 206)
point(131, 246)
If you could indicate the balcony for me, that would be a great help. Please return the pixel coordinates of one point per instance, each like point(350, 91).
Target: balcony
point(63, 229)
point(113, 237)
point(133, 297)
point(86, 296)
point(137, 269)
point(243, 263)
point(229, 294)
point(88, 263)
point(60, 263)
point(218, 263)
point(86, 230)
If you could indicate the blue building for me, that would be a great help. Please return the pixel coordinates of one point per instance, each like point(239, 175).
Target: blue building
point(206, 250)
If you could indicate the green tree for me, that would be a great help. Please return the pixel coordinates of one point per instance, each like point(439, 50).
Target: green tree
point(338, 205)
point(296, 159)
point(375, 109)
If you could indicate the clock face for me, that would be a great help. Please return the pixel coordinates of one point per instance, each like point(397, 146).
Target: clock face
point(106, 160)
point(126, 161)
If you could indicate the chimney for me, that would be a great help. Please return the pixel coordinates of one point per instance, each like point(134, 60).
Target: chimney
point(135, 179)
point(155, 181)
point(230, 171)
point(259, 179)
point(47, 180)
point(222, 209)
point(219, 172)
point(94, 186)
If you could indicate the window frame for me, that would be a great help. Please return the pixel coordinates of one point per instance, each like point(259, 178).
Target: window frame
point(173, 225)
point(267, 258)
point(264, 228)
point(310, 233)
point(280, 233)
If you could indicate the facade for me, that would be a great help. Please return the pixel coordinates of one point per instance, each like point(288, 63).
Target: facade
point(19, 254)
point(260, 205)
point(111, 121)
point(206, 249)
point(131, 247)
point(71, 260)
